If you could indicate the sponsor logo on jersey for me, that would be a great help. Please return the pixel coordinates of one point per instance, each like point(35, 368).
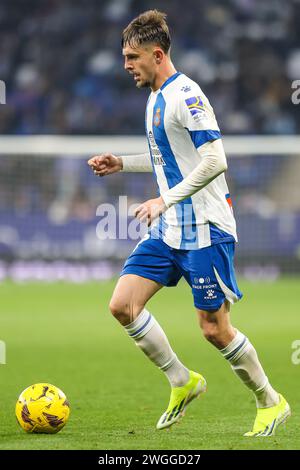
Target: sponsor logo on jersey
point(157, 157)
point(158, 161)
point(195, 105)
point(186, 88)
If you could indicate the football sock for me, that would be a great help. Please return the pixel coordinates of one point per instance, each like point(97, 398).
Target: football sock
point(244, 361)
point(151, 339)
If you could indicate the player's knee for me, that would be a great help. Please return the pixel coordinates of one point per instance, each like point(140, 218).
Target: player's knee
point(118, 309)
point(125, 311)
point(210, 331)
point(208, 325)
point(217, 334)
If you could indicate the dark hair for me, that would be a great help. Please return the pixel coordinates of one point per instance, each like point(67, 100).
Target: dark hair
point(148, 27)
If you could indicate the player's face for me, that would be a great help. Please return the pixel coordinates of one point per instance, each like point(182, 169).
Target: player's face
point(140, 62)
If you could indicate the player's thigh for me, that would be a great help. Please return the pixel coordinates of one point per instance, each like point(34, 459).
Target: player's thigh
point(130, 295)
point(147, 269)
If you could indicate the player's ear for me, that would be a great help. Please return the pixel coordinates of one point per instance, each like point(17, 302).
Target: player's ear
point(158, 56)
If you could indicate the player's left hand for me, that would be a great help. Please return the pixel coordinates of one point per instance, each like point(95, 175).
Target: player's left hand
point(150, 210)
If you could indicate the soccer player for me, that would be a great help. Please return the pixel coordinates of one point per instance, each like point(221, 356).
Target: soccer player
point(192, 230)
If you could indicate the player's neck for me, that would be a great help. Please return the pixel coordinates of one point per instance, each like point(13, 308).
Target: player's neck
point(162, 76)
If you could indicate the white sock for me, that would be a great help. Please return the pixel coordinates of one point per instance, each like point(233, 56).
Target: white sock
point(151, 339)
point(244, 361)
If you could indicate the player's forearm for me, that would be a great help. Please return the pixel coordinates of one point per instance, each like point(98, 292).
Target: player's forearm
point(212, 165)
point(137, 163)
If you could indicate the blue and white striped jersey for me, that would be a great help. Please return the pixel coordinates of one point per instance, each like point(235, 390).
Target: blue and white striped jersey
point(179, 121)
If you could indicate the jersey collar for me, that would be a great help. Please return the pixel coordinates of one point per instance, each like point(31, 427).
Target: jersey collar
point(170, 80)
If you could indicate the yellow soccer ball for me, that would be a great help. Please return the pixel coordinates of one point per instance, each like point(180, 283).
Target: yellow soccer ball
point(42, 408)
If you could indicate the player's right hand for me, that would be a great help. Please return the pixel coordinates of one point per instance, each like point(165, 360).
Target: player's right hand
point(105, 164)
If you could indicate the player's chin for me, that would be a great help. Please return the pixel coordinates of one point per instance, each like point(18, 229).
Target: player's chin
point(142, 84)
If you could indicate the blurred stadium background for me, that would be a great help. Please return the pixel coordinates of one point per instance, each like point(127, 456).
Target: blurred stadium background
point(62, 66)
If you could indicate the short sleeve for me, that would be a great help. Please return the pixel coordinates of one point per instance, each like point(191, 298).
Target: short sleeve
point(195, 114)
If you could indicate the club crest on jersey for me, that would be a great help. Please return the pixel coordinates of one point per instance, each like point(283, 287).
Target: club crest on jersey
point(195, 105)
point(157, 117)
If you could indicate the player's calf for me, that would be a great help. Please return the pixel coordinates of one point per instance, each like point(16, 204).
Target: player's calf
point(236, 348)
point(128, 306)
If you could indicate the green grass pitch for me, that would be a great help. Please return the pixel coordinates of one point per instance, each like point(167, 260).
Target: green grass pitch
point(64, 334)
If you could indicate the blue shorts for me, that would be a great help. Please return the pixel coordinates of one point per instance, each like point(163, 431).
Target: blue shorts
point(209, 271)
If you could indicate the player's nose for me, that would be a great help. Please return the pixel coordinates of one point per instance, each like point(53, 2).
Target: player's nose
point(127, 65)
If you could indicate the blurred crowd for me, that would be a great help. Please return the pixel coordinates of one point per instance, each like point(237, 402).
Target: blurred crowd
point(56, 209)
point(64, 189)
point(62, 64)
